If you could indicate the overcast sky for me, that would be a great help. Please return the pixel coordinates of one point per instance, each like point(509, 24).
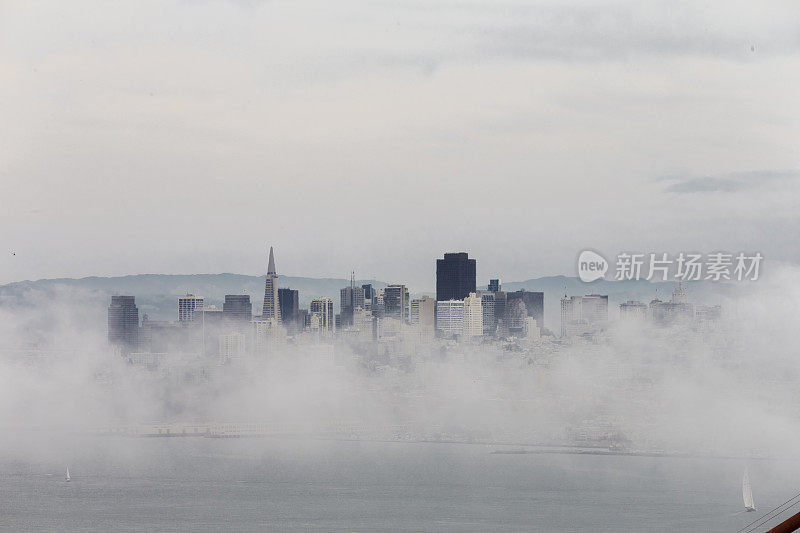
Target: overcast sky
point(187, 136)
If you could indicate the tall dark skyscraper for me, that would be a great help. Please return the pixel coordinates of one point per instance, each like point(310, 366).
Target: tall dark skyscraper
point(237, 308)
point(494, 285)
point(534, 304)
point(123, 322)
point(455, 276)
point(289, 303)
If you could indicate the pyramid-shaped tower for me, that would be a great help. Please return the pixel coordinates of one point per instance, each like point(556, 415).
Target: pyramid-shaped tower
point(271, 308)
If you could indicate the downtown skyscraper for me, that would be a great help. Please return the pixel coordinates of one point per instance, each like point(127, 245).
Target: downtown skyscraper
point(289, 303)
point(351, 298)
point(271, 307)
point(321, 310)
point(455, 276)
point(395, 302)
point(123, 322)
point(187, 306)
point(237, 308)
point(532, 306)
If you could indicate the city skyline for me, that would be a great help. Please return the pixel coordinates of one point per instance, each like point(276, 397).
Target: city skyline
point(459, 311)
point(538, 265)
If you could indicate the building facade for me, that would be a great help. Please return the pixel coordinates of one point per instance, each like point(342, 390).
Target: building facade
point(632, 310)
point(289, 307)
point(395, 302)
point(583, 314)
point(271, 308)
point(266, 335)
point(237, 308)
point(123, 322)
point(323, 309)
point(534, 306)
point(350, 298)
point(187, 305)
point(473, 317)
point(489, 316)
point(231, 345)
point(369, 292)
point(594, 308)
point(422, 315)
point(364, 323)
point(455, 276)
point(450, 317)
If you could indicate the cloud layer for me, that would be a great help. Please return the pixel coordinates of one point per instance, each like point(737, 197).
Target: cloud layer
point(183, 137)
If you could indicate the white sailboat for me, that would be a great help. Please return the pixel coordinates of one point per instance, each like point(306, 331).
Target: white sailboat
point(66, 477)
point(747, 493)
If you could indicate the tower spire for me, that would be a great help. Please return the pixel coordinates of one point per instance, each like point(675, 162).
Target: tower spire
point(271, 307)
point(271, 264)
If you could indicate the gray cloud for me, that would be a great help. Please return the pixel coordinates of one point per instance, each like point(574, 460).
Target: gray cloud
point(731, 182)
point(607, 31)
point(116, 117)
point(550, 32)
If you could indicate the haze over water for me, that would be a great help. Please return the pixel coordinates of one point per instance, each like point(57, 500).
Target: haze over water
point(315, 485)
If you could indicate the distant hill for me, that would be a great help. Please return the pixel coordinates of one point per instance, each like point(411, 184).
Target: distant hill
point(156, 294)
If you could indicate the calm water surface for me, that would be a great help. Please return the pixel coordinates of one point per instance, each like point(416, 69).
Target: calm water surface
point(300, 485)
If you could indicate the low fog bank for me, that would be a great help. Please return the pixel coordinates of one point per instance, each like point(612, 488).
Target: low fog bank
point(727, 391)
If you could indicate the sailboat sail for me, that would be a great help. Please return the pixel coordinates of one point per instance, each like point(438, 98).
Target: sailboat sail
point(67, 476)
point(747, 493)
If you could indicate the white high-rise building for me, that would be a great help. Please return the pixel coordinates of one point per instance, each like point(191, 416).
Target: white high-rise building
point(532, 330)
point(272, 308)
point(363, 322)
point(450, 317)
point(582, 314)
point(473, 316)
point(422, 317)
point(323, 308)
point(266, 335)
point(423, 311)
point(188, 306)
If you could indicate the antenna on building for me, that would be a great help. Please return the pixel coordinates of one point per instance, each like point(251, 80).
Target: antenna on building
point(353, 279)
